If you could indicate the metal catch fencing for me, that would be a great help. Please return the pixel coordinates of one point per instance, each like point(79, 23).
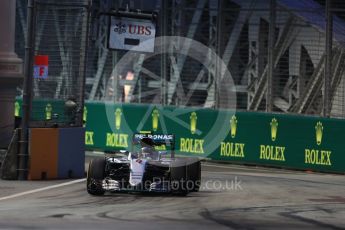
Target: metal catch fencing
point(60, 36)
point(284, 56)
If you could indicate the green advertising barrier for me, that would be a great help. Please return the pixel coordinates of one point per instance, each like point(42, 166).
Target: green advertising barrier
point(110, 127)
point(297, 142)
point(44, 109)
point(288, 141)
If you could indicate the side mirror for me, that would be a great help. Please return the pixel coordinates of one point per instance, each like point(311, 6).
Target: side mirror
point(124, 152)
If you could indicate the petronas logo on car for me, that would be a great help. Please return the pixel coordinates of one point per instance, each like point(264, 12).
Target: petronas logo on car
point(118, 114)
point(319, 132)
point(155, 117)
point(193, 119)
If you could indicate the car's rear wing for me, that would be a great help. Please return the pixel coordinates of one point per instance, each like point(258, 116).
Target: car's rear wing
point(155, 140)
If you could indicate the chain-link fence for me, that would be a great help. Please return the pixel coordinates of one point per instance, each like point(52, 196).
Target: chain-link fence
point(337, 81)
point(283, 56)
point(60, 34)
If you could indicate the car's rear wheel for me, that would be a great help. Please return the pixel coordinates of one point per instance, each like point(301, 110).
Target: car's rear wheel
point(95, 176)
point(179, 177)
point(194, 175)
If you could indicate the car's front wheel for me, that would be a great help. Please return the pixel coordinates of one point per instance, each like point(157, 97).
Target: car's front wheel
point(95, 176)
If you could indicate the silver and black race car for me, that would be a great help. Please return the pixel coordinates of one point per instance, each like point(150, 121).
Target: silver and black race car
point(151, 166)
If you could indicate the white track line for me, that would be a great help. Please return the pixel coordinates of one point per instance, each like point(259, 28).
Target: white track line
point(229, 166)
point(41, 189)
point(247, 168)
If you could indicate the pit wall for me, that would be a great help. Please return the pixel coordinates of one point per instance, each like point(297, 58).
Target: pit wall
point(279, 140)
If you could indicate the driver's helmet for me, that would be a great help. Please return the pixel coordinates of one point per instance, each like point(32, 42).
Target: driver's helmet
point(148, 151)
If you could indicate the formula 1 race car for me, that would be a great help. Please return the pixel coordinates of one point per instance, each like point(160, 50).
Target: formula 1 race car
point(145, 169)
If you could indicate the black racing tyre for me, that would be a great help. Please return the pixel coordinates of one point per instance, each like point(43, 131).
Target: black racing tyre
point(179, 177)
point(194, 175)
point(95, 176)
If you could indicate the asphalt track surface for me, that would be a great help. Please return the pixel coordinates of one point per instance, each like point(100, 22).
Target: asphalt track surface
point(232, 197)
